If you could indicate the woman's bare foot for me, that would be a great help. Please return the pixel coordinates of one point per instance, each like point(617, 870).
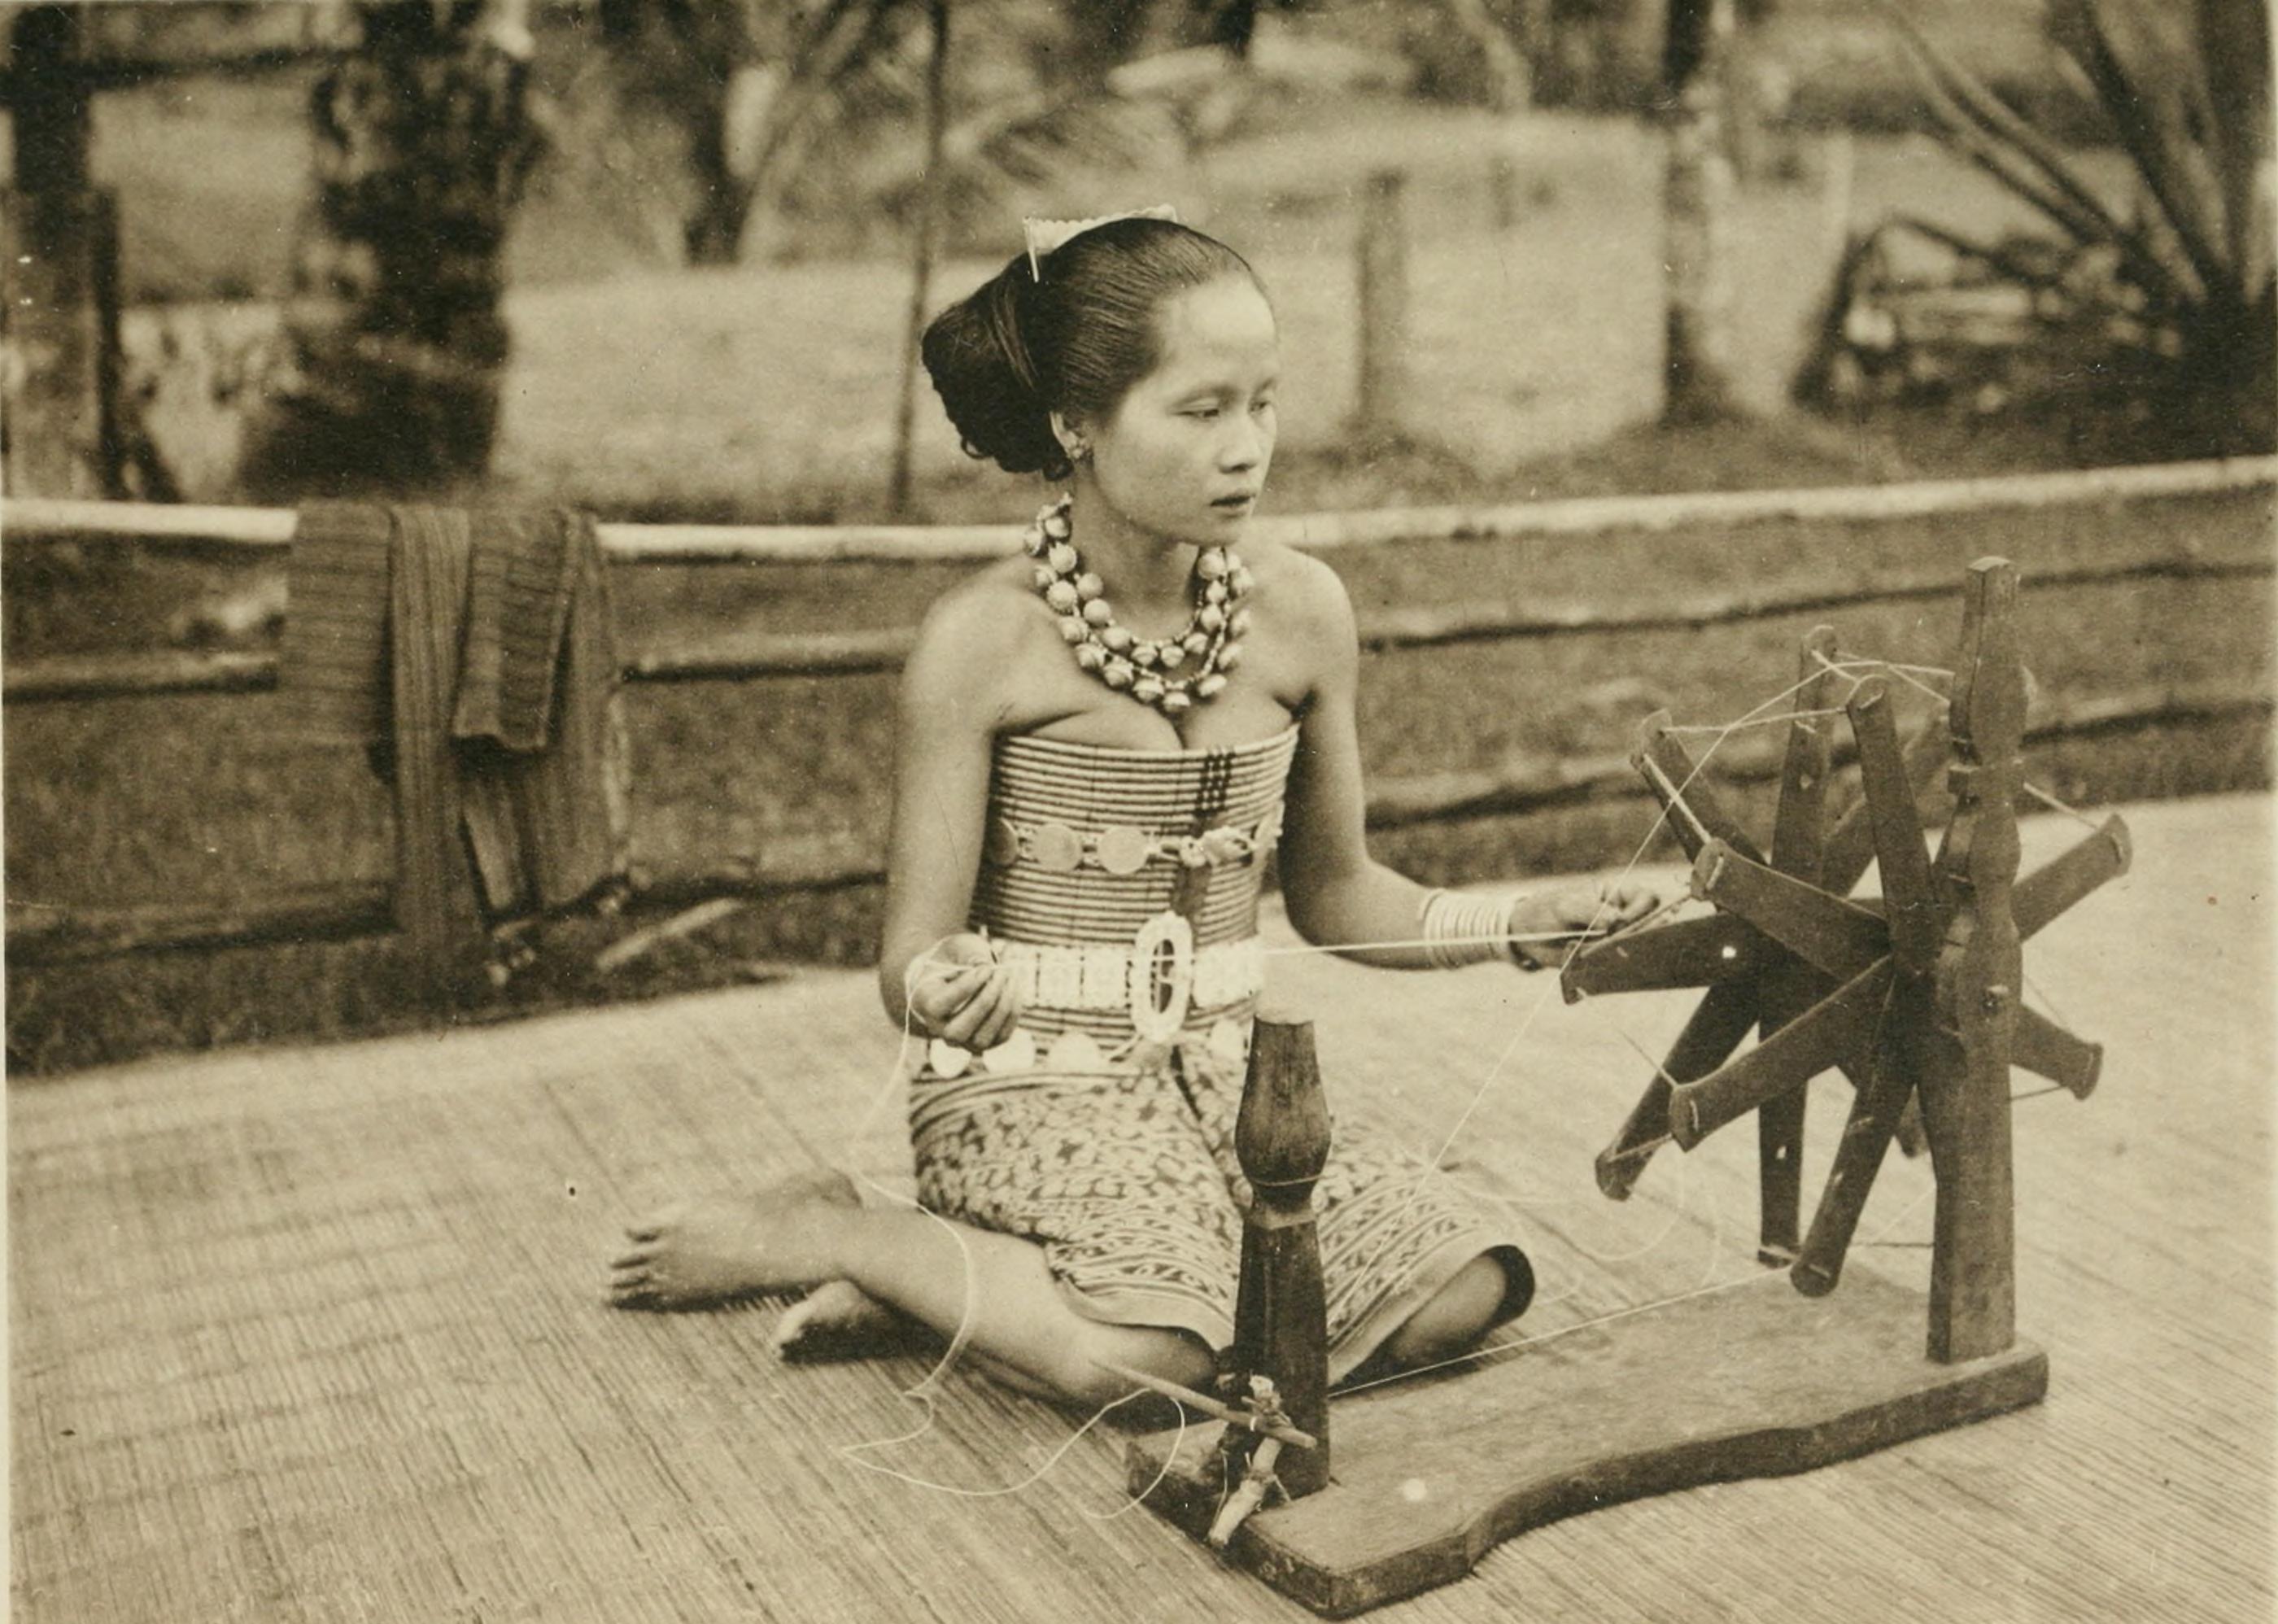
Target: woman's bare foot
point(839, 1320)
point(712, 1250)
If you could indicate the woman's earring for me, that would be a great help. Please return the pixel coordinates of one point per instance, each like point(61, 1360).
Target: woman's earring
point(1079, 450)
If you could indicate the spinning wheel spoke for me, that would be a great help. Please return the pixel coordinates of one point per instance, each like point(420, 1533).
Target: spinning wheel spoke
point(2046, 1050)
point(1910, 901)
point(1696, 813)
point(1831, 935)
point(1837, 1028)
point(1859, 1155)
point(1799, 826)
point(1691, 952)
point(1850, 845)
point(1715, 1030)
point(1799, 834)
point(2061, 882)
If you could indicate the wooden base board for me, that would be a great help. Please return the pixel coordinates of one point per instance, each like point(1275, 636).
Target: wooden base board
point(1428, 1475)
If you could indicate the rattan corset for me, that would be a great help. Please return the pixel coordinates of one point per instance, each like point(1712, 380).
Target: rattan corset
point(1087, 844)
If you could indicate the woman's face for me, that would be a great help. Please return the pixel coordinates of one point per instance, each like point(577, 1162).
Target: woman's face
point(1184, 456)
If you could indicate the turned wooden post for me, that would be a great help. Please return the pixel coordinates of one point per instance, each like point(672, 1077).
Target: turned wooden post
point(1281, 1139)
point(1965, 1089)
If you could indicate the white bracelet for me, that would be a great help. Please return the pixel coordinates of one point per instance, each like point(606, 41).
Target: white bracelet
point(1460, 928)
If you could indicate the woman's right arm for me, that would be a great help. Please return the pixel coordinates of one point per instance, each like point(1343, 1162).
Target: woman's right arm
point(948, 714)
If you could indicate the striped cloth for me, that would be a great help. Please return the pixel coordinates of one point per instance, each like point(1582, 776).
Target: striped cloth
point(472, 651)
point(526, 574)
point(1117, 1156)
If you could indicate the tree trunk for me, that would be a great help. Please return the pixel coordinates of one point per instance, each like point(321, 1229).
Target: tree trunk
point(421, 142)
point(59, 323)
point(1696, 209)
point(693, 64)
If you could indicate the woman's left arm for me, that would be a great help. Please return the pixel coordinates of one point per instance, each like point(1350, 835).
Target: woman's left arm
point(1338, 896)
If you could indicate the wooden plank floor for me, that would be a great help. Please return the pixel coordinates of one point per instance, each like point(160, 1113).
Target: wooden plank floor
point(315, 1333)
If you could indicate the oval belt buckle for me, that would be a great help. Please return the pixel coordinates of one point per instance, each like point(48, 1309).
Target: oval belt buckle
point(1162, 978)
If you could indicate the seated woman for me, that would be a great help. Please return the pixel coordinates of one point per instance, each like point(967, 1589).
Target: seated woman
point(1102, 738)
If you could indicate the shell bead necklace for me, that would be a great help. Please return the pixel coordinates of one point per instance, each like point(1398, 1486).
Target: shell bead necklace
point(1172, 674)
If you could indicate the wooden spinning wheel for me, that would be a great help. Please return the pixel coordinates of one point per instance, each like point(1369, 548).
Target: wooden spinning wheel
point(1915, 996)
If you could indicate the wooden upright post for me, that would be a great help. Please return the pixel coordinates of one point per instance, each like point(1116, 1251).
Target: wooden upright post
point(1965, 1086)
point(1281, 1140)
point(59, 237)
point(1383, 300)
point(930, 190)
point(1697, 196)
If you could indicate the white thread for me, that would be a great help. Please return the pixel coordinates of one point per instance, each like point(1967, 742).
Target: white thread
point(2041, 993)
point(2054, 805)
point(1675, 801)
point(1904, 673)
point(922, 1392)
point(1497, 940)
point(1497, 1349)
point(919, 1393)
point(1723, 728)
point(851, 1451)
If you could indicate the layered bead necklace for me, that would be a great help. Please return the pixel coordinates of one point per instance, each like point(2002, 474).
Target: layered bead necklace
point(1172, 674)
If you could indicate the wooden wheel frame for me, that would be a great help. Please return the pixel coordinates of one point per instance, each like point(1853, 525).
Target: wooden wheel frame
point(1915, 996)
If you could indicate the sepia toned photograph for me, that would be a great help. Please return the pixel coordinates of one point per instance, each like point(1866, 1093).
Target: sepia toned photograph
point(1018, 811)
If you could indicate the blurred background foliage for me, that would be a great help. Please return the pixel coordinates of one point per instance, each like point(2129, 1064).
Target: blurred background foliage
point(2111, 302)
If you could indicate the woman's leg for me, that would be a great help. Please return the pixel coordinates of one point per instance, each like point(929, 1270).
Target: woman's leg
point(946, 1276)
point(1452, 1320)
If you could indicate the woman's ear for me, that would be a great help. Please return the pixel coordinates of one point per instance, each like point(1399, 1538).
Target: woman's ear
point(1072, 438)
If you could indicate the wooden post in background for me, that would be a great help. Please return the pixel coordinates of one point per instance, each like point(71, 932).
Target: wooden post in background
point(1281, 1139)
point(1696, 209)
point(60, 279)
point(929, 194)
point(1383, 300)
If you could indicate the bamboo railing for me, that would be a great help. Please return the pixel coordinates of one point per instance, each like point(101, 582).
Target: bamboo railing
point(39, 933)
point(33, 518)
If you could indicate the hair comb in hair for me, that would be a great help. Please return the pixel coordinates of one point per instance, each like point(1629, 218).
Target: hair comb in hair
point(1046, 235)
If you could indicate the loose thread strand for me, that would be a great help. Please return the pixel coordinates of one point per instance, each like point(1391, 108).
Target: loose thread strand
point(1499, 1349)
point(2055, 804)
point(1723, 728)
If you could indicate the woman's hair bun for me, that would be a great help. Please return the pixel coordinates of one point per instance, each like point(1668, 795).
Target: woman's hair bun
point(978, 360)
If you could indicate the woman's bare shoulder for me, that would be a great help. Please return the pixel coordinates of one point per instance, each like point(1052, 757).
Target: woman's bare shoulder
point(986, 616)
point(1305, 593)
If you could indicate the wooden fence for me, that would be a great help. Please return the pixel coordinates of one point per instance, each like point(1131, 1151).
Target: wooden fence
point(37, 933)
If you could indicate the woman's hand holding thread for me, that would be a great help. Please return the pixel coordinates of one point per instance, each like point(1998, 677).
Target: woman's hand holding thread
point(1544, 922)
point(960, 993)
